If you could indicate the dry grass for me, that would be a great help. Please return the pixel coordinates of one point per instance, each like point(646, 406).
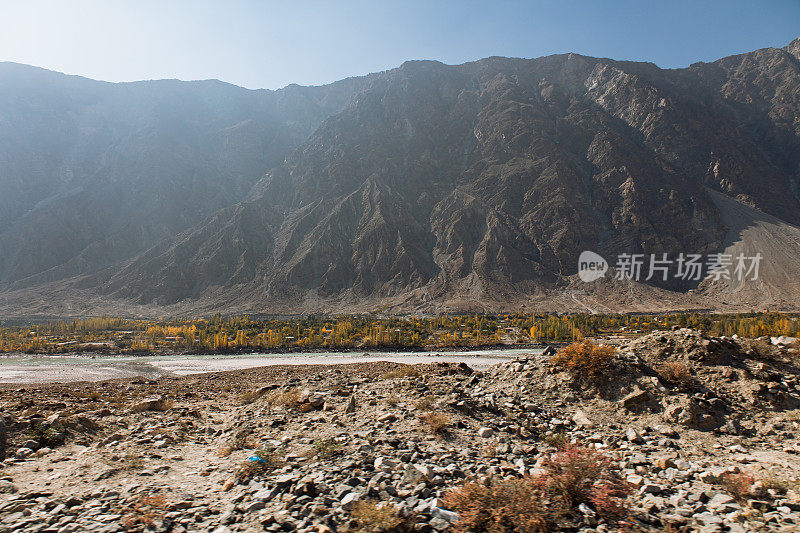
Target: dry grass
point(778, 483)
point(250, 396)
point(288, 399)
point(506, 505)
point(557, 439)
point(738, 485)
point(372, 517)
point(405, 371)
point(572, 477)
point(239, 441)
point(144, 511)
point(437, 423)
point(677, 373)
point(263, 460)
point(426, 403)
point(327, 448)
point(586, 360)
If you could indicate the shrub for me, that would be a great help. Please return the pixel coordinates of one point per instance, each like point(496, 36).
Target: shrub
point(738, 485)
point(327, 448)
point(583, 475)
point(251, 396)
point(557, 439)
point(778, 483)
point(263, 460)
point(288, 399)
point(144, 511)
point(585, 360)
point(238, 441)
point(677, 373)
point(426, 403)
point(437, 423)
point(571, 477)
point(46, 435)
point(375, 518)
point(508, 505)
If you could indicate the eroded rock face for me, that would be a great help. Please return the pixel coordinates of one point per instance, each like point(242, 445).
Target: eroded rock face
point(485, 179)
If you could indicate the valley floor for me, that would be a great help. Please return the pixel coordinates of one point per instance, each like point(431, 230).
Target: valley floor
point(682, 431)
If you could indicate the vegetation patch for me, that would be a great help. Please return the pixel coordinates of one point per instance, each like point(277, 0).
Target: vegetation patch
point(437, 423)
point(374, 517)
point(573, 476)
point(586, 360)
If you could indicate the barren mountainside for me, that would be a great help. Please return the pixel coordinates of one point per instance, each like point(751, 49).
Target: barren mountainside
point(429, 186)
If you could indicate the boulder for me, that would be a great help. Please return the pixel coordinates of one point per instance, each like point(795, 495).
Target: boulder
point(581, 420)
point(152, 403)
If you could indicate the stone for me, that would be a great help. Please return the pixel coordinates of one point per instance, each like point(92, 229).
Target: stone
point(485, 432)
point(152, 403)
point(266, 494)
point(414, 473)
point(636, 400)
point(719, 500)
point(385, 464)
point(651, 488)
point(633, 436)
point(22, 453)
point(581, 420)
point(350, 407)
point(350, 500)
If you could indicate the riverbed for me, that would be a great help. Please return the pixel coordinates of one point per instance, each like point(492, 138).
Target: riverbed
point(71, 368)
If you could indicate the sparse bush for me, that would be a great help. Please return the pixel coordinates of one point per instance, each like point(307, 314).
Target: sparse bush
point(251, 396)
point(507, 505)
point(372, 517)
point(778, 483)
point(572, 477)
point(557, 439)
point(586, 360)
point(163, 404)
point(583, 475)
point(426, 403)
point(144, 511)
point(677, 373)
point(327, 448)
point(46, 435)
point(437, 423)
point(738, 485)
point(263, 460)
point(405, 371)
point(289, 399)
point(238, 441)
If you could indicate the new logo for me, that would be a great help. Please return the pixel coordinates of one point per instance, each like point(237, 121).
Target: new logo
point(591, 266)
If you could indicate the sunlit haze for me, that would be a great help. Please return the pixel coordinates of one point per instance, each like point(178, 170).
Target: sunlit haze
point(272, 44)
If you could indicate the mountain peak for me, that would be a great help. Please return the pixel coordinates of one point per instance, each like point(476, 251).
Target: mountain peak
point(794, 48)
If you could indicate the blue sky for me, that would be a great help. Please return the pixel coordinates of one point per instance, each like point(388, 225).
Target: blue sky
point(270, 44)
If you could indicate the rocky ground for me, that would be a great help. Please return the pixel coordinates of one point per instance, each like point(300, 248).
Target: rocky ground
point(699, 433)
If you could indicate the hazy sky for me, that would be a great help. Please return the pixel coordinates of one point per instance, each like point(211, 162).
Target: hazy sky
point(273, 43)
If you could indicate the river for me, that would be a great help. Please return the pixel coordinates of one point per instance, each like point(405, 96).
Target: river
point(70, 368)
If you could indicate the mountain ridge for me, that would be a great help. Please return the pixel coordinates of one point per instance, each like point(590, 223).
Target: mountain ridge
point(434, 183)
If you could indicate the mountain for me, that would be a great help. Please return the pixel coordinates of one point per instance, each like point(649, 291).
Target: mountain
point(94, 173)
point(427, 187)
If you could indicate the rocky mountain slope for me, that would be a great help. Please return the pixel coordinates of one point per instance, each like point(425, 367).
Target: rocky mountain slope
point(93, 173)
point(430, 186)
